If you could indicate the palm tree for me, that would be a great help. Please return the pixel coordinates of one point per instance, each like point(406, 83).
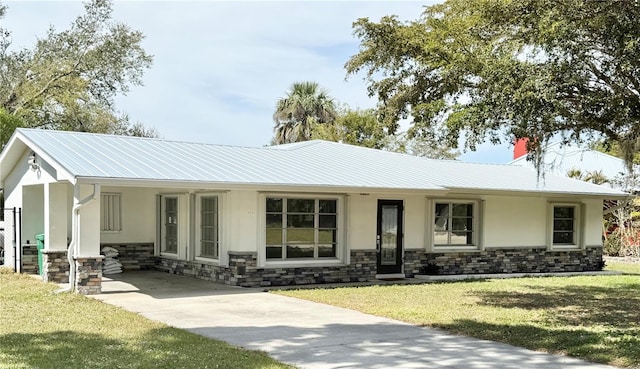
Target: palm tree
point(305, 105)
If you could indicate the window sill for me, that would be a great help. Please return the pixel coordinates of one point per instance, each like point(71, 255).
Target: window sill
point(168, 255)
point(205, 260)
point(446, 248)
point(303, 263)
point(564, 247)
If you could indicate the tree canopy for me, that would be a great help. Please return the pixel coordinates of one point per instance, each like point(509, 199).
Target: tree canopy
point(68, 80)
point(499, 70)
point(305, 105)
point(354, 127)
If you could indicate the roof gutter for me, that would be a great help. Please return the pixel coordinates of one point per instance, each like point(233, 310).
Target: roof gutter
point(75, 231)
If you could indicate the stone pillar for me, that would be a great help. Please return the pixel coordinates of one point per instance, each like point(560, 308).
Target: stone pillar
point(89, 275)
point(55, 265)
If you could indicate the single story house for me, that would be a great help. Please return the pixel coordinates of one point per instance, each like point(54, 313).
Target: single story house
point(301, 213)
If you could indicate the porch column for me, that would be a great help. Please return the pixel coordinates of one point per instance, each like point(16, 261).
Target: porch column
point(88, 259)
point(56, 218)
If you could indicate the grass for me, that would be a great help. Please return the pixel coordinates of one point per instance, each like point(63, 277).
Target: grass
point(596, 318)
point(41, 329)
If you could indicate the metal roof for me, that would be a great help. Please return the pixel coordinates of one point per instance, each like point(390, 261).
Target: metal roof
point(560, 159)
point(312, 163)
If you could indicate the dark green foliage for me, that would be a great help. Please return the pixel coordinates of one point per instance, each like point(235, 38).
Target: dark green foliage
point(498, 70)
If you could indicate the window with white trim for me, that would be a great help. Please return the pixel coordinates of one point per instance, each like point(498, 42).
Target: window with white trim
point(301, 228)
point(454, 223)
point(564, 225)
point(208, 227)
point(110, 212)
point(169, 212)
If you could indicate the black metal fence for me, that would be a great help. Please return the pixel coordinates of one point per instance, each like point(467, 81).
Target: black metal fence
point(10, 242)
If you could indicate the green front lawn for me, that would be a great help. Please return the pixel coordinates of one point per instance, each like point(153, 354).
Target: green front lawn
point(40, 329)
point(596, 318)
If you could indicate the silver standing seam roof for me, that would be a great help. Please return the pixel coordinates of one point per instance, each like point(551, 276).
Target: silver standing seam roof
point(305, 164)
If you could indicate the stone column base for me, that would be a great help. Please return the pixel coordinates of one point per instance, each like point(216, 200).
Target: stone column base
point(55, 265)
point(89, 275)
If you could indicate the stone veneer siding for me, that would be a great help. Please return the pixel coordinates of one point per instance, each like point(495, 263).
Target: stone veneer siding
point(89, 275)
point(134, 256)
point(514, 260)
point(30, 259)
point(55, 265)
point(243, 271)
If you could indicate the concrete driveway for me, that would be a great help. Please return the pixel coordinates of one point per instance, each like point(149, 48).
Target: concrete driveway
point(308, 334)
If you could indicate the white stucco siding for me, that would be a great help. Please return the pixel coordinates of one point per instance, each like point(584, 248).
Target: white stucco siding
point(32, 204)
point(511, 221)
point(362, 213)
point(139, 215)
point(593, 222)
point(242, 220)
point(414, 222)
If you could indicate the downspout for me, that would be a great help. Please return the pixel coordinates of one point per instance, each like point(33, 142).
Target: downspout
point(75, 232)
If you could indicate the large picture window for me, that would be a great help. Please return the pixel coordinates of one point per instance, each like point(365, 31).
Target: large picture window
point(564, 225)
point(301, 228)
point(454, 224)
point(111, 212)
point(208, 231)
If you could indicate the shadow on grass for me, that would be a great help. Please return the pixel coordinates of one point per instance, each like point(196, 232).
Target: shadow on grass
point(599, 323)
point(615, 306)
point(612, 347)
point(160, 348)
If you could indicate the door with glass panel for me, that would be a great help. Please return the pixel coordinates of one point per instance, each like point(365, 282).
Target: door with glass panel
point(389, 237)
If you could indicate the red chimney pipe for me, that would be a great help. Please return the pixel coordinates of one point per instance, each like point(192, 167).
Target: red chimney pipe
point(520, 148)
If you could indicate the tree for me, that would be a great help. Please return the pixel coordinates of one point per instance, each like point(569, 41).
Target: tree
point(500, 70)
point(305, 105)
point(354, 127)
point(416, 146)
point(8, 124)
point(69, 79)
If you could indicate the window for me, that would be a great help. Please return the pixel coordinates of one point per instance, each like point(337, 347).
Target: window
point(301, 228)
point(170, 225)
point(564, 225)
point(454, 224)
point(209, 243)
point(111, 212)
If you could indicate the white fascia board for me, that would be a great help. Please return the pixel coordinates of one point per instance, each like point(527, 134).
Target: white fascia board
point(62, 174)
point(541, 193)
point(261, 187)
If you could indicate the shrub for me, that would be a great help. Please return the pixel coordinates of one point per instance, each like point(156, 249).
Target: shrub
point(613, 244)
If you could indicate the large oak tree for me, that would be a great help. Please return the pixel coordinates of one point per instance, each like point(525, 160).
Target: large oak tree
point(499, 70)
point(68, 80)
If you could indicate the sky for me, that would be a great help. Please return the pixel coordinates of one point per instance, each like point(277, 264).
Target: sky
point(220, 66)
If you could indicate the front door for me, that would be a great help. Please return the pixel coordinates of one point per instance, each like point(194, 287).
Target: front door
point(389, 237)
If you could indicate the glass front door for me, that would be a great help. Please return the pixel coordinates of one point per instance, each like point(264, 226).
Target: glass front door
point(389, 237)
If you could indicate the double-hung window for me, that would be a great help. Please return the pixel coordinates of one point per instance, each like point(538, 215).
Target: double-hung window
point(170, 224)
point(301, 228)
point(564, 225)
point(208, 231)
point(110, 212)
point(454, 224)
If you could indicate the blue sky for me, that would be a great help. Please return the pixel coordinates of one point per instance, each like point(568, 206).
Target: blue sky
point(220, 66)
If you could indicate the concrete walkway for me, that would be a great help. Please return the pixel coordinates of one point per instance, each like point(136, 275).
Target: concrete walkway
point(308, 334)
